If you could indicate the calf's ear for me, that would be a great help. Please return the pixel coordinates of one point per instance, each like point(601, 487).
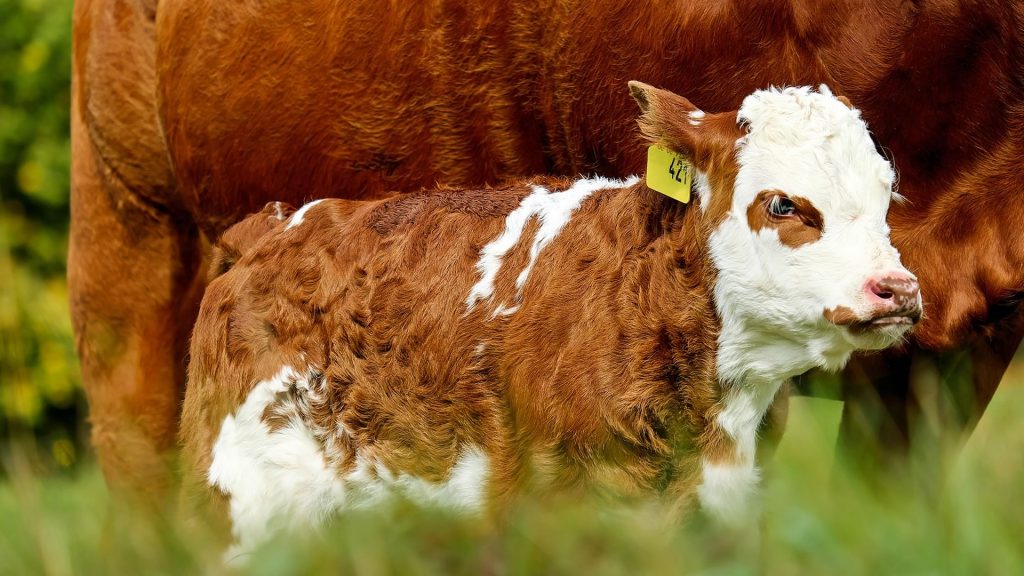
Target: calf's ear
point(824, 89)
point(671, 121)
point(236, 240)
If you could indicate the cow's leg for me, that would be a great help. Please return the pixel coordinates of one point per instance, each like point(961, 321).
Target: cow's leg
point(134, 284)
point(134, 259)
point(918, 409)
point(873, 433)
point(947, 396)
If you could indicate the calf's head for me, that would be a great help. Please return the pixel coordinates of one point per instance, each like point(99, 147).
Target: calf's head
point(794, 196)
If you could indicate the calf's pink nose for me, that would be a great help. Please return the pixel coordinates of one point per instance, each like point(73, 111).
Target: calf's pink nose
point(895, 293)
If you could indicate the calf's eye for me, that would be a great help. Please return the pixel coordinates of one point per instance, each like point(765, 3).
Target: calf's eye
point(781, 206)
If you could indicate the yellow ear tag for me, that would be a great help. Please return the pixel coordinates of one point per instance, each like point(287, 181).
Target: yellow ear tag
point(669, 173)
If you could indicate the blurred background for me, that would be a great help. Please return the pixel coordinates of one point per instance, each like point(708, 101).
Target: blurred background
point(40, 392)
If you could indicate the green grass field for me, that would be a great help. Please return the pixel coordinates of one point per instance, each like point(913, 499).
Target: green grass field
point(815, 521)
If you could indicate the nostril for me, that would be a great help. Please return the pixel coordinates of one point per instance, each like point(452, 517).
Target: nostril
point(882, 289)
point(897, 290)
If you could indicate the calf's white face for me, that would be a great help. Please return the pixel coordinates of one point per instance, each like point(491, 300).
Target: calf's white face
point(804, 252)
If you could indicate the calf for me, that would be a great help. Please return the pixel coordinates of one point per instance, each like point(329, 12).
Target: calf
point(461, 347)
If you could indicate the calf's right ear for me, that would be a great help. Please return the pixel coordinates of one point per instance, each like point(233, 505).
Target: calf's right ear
point(671, 121)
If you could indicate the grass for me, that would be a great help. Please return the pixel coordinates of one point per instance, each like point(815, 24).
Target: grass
point(815, 520)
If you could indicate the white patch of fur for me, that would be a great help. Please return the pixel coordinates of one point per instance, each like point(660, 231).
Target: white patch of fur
point(727, 492)
point(553, 209)
point(494, 252)
point(742, 412)
point(300, 214)
point(770, 297)
point(268, 477)
point(288, 479)
point(503, 310)
point(373, 484)
point(702, 190)
point(463, 490)
point(278, 212)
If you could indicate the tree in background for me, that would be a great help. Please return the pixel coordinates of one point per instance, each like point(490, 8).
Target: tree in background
point(40, 394)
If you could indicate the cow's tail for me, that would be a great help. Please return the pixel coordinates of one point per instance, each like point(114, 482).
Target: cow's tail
point(243, 235)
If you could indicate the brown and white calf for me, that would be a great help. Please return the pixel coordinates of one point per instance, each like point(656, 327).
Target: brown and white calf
point(461, 347)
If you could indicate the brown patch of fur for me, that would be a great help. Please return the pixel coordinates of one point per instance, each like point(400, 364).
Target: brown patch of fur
point(404, 210)
point(279, 413)
point(803, 227)
point(842, 316)
point(717, 446)
point(722, 169)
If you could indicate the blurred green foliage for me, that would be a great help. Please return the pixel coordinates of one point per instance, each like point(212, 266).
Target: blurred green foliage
point(816, 520)
point(39, 380)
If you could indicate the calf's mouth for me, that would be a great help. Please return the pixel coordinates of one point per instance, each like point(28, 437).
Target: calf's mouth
point(847, 318)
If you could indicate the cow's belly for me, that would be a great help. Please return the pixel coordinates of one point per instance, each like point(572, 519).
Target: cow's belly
point(279, 472)
point(322, 104)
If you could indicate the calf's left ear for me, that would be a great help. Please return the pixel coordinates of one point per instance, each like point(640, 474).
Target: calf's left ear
point(671, 121)
point(236, 240)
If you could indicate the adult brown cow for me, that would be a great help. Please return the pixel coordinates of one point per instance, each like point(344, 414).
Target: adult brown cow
point(263, 100)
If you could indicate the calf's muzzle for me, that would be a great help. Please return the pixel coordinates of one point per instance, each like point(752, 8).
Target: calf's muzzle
point(896, 298)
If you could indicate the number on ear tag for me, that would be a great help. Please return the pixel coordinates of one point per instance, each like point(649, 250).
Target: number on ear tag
point(670, 173)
